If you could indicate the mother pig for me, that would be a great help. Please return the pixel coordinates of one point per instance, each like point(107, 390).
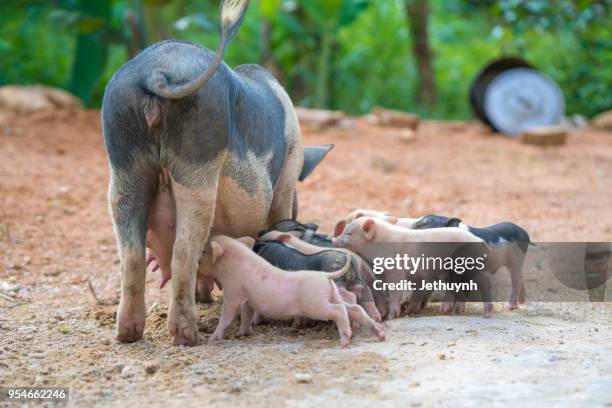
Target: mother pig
point(194, 147)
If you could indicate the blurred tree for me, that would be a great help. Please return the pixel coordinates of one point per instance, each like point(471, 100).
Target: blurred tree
point(91, 50)
point(329, 16)
point(342, 54)
point(418, 16)
point(269, 10)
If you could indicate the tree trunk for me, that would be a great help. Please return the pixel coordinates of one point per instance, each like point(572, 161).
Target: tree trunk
point(267, 57)
point(323, 68)
point(418, 12)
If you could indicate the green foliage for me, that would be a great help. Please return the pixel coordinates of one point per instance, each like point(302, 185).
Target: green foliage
point(32, 48)
point(342, 54)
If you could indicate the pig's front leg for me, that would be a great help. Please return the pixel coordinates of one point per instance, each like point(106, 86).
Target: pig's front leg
point(416, 302)
point(228, 313)
point(446, 305)
point(194, 215)
point(204, 287)
point(395, 296)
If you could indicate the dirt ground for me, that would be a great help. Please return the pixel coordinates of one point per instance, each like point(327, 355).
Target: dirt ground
point(56, 235)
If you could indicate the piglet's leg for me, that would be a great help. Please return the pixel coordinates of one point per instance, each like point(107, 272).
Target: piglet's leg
point(516, 278)
point(416, 302)
point(485, 292)
point(246, 319)
point(356, 312)
point(228, 313)
point(446, 305)
point(339, 314)
point(257, 318)
point(371, 310)
point(203, 289)
point(458, 307)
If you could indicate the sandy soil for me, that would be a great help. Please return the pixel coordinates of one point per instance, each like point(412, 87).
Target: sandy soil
point(55, 235)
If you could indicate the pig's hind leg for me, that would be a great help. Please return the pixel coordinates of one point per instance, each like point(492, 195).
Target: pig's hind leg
point(246, 319)
point(515, 266)
point(356, 312)
point(132, 188)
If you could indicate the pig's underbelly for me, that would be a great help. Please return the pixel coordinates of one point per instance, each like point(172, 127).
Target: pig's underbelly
point(237, 213)
point(240, 213)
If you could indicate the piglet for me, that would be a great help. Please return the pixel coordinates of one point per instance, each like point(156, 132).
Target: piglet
point(358, 281)
point(251, 284)
point(305, 232)
point(509, 244)
point(380, 215)
point(369, 236)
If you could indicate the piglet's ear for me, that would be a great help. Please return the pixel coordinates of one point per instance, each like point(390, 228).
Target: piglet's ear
point(392, 220)
point(284, 238)
point(368, 228)
point(248, 241)
point(339, 228)
point(216, 251)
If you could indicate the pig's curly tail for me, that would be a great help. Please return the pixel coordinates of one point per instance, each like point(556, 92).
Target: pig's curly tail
point(232, 14)
point(339, 273)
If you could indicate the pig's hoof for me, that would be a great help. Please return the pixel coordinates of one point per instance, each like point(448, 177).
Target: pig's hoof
point(186, 337)
point(345, 340)
point(214, 338)
point(379, 332)
point(184, 331)
point(245, 332)
point(129, 333)
point(130, 323)
point(513, 306)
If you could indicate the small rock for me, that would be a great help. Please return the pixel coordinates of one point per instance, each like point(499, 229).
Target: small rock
point(106, 342)
point(151, 368)
point(236, 388)
point(303, 378)
point(603, 121)
point(416, 403)
point(39, 355)
point(127, 372)
point(442, 356)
